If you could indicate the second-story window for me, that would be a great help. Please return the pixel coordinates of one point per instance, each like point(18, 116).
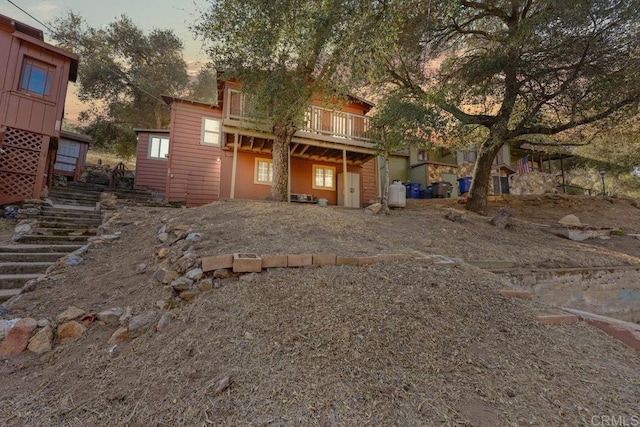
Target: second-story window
point(158, 147)
point(211, 131)
point(37, 77)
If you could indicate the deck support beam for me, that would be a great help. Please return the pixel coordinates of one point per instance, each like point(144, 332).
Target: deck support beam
point(234, 167)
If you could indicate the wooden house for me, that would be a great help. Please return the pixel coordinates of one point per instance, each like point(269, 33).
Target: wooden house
point(71, 155)
point(152, 157)
point(33, 86)
point(214, 152)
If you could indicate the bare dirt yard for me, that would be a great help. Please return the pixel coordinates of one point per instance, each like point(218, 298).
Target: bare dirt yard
point(399, 343)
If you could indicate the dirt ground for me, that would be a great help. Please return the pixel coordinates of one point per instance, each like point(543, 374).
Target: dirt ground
point(388, 344)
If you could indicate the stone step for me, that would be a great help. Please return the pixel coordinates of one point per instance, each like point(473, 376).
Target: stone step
point(74, 202)
point(77, 230)
point(24, 267)
point(93, 197)
point(31, 249)
point(11, 281)
point(5, 294)
point(69, 225)
point(71, 214)
point(53, 240)
point(75, 190)
point(31, 256)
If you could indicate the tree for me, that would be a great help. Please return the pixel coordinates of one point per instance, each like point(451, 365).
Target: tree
point(284, 52)
point(123, 72)
point(518, 68)
point(400, 121)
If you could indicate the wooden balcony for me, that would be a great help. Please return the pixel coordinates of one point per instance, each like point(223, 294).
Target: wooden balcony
point(323, 122)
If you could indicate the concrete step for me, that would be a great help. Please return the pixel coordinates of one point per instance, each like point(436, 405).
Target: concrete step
point(77, 230)
point(71, 196)
point(75, 191)
point(69, 225)
point(87, 186)
point(24, 267)
point(47, 221)
point(5, 294)
point(32, 249)
point(53, 240)
point(71, 214)
point(74, 202)
point(11, 281)
point(31, 256)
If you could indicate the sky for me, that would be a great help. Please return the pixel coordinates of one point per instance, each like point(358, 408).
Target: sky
point(177, 15)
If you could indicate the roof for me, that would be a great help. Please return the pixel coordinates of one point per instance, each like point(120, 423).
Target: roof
point(78, 137)
point(35, 36)
point(171, 99)
point(139, 130)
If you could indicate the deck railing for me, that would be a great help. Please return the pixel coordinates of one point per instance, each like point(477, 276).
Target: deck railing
point(318, 120)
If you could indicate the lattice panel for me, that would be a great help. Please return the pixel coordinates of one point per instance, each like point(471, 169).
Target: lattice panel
point(19, 161)
point(21, 139)
point(14, 184)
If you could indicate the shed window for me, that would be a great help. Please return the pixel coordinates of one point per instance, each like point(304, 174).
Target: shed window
point(323, 177)
point(263, 171)
point(211, 130)
point(36, 77)
point(158, 147)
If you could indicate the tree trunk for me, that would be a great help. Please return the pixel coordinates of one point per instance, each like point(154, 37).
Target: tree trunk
point(280, 155)
point(477, 201)
point(385, 191)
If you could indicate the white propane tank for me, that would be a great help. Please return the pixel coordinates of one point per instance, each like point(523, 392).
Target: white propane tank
point(397, 195)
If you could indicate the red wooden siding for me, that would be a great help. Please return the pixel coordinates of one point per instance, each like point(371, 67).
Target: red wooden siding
point(151, 174)
point(194, 169)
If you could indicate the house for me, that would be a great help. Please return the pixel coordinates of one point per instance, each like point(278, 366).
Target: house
point(214, 151)
point(71, 155)
point(33, 86)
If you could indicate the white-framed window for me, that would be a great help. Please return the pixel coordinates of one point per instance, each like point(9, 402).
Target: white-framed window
point(211, 131)
point(263, 173)
point(323, 177)
point(158, 147)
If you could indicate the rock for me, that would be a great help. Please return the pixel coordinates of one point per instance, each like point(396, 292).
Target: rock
point(70, 313)
point(121, 334)
point(73, 260)
point(141, 323)
point(23, 229)
point(205, 285)
point(125, 316)
point(3, 310)
point(5, 326)
point(185, 263)
point(182, 227)
point(222, 273)
point(222, 385)
point(180, 235)
point(182, 284)
point(163, 237)
point(195, 274)
point(374, 209)
point(110, 316)
point(248, 278)
point(44, 323)
point(570, 221)
point(163, 252)
point(170, 276)
point(164, 321)
point(189, 294)
point(140, 268)
point(17, 338)
point(502, 218)
point(159, 274)
point(455, 215)
point(42, 341)
point(194, 237)
point(70, 331)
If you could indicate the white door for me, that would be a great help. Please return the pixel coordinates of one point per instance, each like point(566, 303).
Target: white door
point(353, 190)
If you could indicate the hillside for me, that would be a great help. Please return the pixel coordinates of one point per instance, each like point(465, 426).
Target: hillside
point(404, 342)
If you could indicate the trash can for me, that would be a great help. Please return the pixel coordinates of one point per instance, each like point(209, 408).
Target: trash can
point(465, 184)
point(413, 190)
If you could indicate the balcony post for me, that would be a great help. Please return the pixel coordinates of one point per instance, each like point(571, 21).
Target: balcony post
point(234, 166)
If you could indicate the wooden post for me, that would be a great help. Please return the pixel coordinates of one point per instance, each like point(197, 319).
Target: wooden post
point(234, 167)
point(564, 189)
point(345, 183)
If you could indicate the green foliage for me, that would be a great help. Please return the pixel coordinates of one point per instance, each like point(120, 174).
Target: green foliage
point(205, 87)
point(123, 73)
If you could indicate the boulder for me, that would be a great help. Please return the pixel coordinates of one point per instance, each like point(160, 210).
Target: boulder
point(501, 219)
point(222, 273)
point(195, 274)
point(110, 316)
point(121, 334)
point(5, 326)
point(164, 321)
point(570, 221)
point(185, 263)
point(42, 341)
point(140, 268)
point(163, 237)
point(455, 215)
point(182, 284)
point(141, 323)
point(70, 313)
point(374, 209)
point(205, 285)
point(70, 331)
point(17, 338)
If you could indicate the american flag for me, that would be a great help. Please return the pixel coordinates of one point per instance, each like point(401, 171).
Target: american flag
point(523, 166)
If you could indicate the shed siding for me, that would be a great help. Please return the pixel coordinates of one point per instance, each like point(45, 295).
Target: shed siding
point(151, 174)
point(369, 186)
point(194, 169)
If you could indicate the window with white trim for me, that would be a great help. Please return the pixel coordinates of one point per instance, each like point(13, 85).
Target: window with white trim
point(211, 131)
point(323, 177)
point(263, 171)
point(158, 147)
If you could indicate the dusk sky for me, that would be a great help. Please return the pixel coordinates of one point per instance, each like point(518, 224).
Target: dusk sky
point(170, 14)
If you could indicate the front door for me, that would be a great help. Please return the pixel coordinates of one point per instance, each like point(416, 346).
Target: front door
point(352, 200)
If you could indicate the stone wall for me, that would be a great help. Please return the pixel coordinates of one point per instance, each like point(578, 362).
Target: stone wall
point(532, 183)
